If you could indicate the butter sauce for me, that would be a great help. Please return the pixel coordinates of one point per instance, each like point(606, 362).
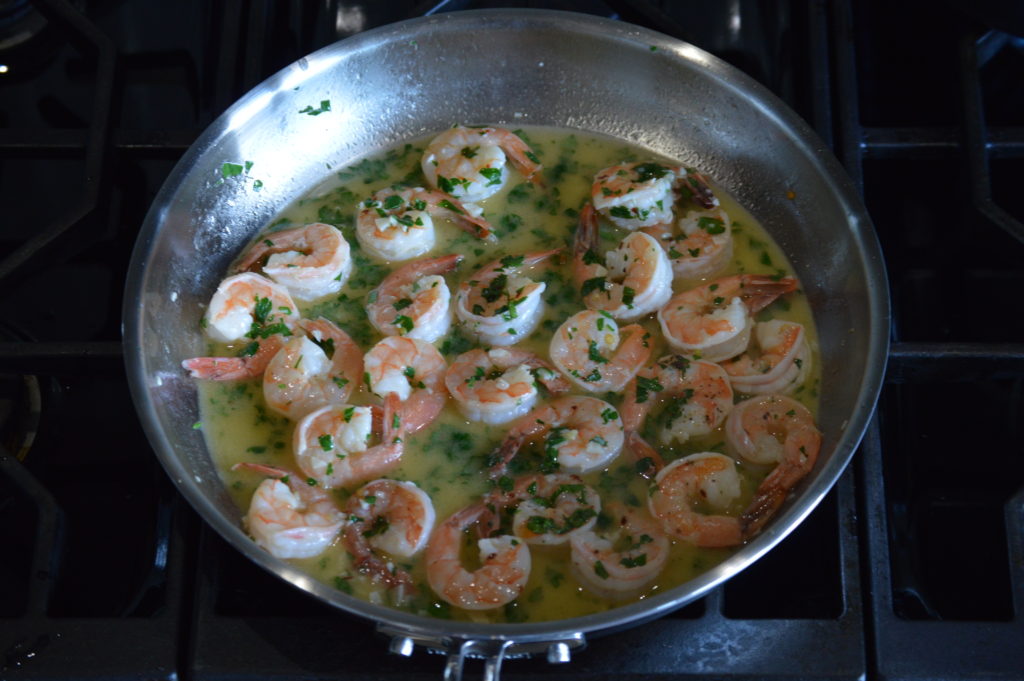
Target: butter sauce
point(448, 459)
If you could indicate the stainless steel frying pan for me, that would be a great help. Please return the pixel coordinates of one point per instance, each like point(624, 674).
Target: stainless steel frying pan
point(508, 68)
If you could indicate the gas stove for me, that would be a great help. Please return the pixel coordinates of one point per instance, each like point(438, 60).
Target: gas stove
point(913, 566)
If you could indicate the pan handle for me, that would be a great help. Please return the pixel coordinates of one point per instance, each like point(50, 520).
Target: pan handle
point(492, 651)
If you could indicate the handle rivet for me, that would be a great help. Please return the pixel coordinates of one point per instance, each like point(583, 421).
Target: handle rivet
point(402, 645)
point(558, 653)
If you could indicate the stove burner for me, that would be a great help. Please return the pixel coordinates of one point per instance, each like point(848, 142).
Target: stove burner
point(21, 406)
point(19, 23)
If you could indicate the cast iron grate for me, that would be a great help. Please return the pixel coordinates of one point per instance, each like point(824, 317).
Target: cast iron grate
point(182, 604)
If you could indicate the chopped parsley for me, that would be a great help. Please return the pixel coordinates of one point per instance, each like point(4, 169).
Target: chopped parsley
point(325, 106)
point(645, 386)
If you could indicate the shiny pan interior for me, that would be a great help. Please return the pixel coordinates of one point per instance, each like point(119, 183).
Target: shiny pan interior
point(511, 68)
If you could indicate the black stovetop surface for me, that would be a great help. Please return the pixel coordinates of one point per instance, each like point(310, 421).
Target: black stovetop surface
point(913, 567)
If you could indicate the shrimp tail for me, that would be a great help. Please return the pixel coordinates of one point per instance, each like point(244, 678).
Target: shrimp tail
point(648, 460)
point(758, 291)
point(585, 244)
point(504, 454)
point(761, 509)
point(369, 563)
point(698, 186)
point(523, 159)
point(234, 368)
point(269, 471)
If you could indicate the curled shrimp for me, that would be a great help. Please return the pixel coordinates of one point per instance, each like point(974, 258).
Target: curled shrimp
point(414, 300)
point(635, 195)
point(414, 371)
point(596, 354)
point(505, 564)
point(623, 562)
point(631, 280)
point(497, 305)
point(392, 517)
point(332, 443)
point(687, 491)
point(772, 429)
point(397, 224)
point(310, 371)
point(250, 364)
point(698, 397)
point(247, 303)
point(311, 261)
point(714, 320)
point(778, 360)
point(703, 246)
point(496, 386)
point(469, 163)
point(583, 434)
point(550, 509)
point(289, 517)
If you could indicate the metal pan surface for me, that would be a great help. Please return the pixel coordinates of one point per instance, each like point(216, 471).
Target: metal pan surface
point(511, 68)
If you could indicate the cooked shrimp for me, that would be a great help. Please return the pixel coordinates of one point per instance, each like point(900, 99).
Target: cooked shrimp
point(714, 320)
point(311, 261)
point(550, 509)
point(703, 246)
point(414, 300)
point(631, 281)
point(583, 434)
point(469, 163)
point(769, 429)
point(289, 517)
point(332, 443)
point(505, 564)
point(499, 385)
point(623, 563)
point(392, 517)
point(698, 397)
point(777, 362)
point(414, 371)
point(497, 305)
point(397, 224)
point(311, 371)
point(635, 195)
point(686, 487)
point(248, 304)
point(250, 364)
point(596, 355)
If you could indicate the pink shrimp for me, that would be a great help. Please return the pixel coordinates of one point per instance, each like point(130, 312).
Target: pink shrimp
point(413, 370)
point(499, 385)
point(310, 371)
point(714, 320)
point(769, 429)
point(778, 362)
point(469, 163)
point(311, 261)
point(499, 306)
point(236, 368)
point(629, 281)
point(500, 579)
point(697, 393)
point(331, 444)
point(597, 355)
point(414, 300)
point(289, 517)
point(392, 517)
point(584, 434)
point(397, 224)
point(705, 478)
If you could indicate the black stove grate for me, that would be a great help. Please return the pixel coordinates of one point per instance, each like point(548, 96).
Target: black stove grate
point(910, 568)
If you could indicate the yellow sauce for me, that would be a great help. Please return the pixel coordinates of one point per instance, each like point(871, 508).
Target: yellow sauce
point(447, 459)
